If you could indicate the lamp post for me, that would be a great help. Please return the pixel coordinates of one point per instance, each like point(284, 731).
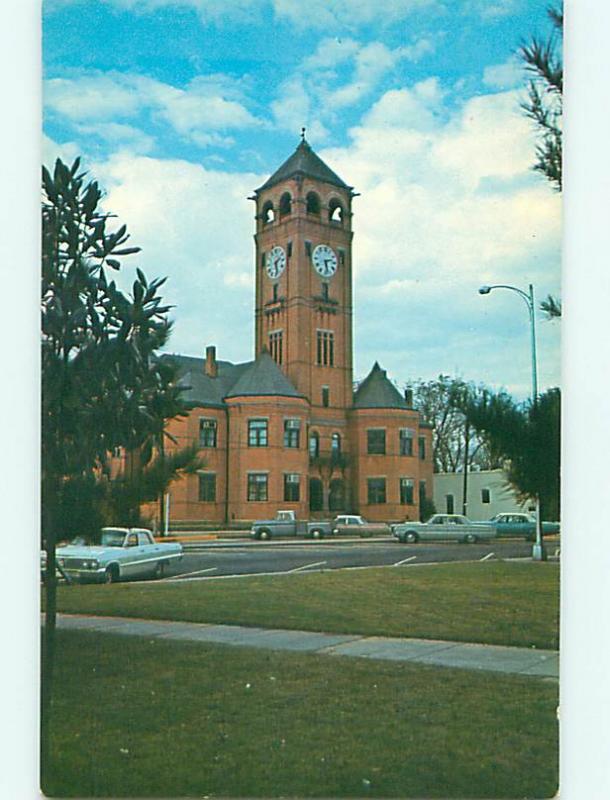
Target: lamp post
point(539, 550)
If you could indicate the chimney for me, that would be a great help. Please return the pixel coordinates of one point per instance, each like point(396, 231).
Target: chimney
point(409, 397)
point(211, 367)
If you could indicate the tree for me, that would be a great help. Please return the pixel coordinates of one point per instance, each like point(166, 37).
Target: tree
point(451, 445)
point(527, 435)
point(100, 380)
point(545, 97)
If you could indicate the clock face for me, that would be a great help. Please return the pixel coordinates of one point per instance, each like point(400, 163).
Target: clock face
point(276, 262)
point(324, 261)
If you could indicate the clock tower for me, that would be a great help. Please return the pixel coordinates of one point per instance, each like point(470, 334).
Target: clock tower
point(303, 308)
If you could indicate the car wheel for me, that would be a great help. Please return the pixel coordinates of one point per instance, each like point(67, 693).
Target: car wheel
point(470, 538)
point(111, 575)
point(264, 535)
point(316, 533)
point(411, 537)
point(159, 570)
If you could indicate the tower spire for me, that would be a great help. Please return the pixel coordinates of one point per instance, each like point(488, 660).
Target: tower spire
point(303, 134)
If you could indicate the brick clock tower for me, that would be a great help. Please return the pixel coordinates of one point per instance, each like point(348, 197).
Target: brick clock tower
point(303, 307)
point(289, 429)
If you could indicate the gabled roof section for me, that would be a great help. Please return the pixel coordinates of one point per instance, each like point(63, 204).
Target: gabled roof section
point(201, 389)
point(377, 391)
point(306, 163)
point(263, 377)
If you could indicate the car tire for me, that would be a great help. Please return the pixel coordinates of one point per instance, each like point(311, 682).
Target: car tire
point(411, 537)
point(317, 533)
point(112, 574)
point(471, 538)
point(264, 535)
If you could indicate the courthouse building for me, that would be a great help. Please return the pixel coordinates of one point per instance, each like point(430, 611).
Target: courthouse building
point(288, 429)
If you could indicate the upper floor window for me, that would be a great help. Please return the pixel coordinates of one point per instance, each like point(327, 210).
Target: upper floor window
point(313, 203)
point(276, 347)
point(285, 204)
point(335, 445)
point(406, 442)
point(268, 213)
point(207, 433)
point(257, 432)
point(335, 212)
point(314, 444)
point(292, 432)
point(325, 355)
point(375, 441)
point(422, 447)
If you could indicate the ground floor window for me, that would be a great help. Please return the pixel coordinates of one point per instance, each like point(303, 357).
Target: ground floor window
point(316, 495)
point(207, 487)
point(336, 497)
point(406, 491)
point(449, 503)
point(376, 491)
point(292, 487)
point(257, 486)
point(485, 496)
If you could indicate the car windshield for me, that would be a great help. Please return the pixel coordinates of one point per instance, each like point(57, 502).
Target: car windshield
point(112, 538)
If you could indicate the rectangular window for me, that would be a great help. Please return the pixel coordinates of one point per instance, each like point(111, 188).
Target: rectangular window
point(485, 496)
point(341, 256)
point(422, 447)
point(376, 491)
point(406, 491)
point(422, 492)
point(406, 442)
point(325, 348)
point(375, 441)
point(257, 433)
point(325, 396)
point(263, 257)
point(292, 432)
point(291, 488)
point(289, 249)
point(324, 291)
point(207, 487)
point(308, 249)
point(257, 486)
point(276, 346)
point(207, 432)
point(449, 503)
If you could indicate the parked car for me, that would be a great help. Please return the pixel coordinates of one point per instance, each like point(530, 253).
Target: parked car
point(120, 553)
point(521, 524)
point(444, 527)
point(354, 525)
point(287, 524)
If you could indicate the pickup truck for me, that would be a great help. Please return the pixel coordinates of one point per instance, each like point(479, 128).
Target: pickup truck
point(444, 527)
point(118, 553)
point(286, 524)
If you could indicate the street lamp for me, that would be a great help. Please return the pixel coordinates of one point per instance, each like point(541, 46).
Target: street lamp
point(538, 551)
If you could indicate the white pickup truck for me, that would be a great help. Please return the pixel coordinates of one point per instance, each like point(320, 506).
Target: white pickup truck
point(120, 553)
point(286, 524)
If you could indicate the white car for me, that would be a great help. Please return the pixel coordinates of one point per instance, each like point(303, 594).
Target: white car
point(444, 527)
point(121, 553)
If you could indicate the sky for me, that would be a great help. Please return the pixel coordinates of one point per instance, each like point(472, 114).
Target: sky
point(181, 108)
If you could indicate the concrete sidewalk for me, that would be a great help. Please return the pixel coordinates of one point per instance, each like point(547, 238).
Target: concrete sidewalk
point(489, 658)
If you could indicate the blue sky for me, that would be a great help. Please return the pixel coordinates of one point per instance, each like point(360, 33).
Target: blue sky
point(182, 108)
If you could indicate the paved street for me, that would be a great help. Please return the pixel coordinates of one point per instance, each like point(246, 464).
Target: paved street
point(218, 559)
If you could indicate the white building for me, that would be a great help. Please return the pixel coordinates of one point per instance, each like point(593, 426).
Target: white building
point(488, 494)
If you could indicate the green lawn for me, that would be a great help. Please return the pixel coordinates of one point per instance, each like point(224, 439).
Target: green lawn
point(148, 718)
point(493, 603)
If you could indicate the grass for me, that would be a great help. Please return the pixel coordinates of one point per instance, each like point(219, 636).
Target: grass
point(491, 603)
point(147, 718)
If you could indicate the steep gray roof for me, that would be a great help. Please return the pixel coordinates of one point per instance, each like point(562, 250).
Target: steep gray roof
point(263, 377)
point(304, 162)
point(260, 377)
point(377, 391)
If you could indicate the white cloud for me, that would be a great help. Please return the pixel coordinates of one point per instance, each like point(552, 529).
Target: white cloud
point(346, 13)
point(205, 107)
point(504, 76)
point(119, 135)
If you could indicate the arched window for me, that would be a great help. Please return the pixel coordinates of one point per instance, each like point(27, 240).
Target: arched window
point(285, 204)
point(314, 444)
point(335, 212)
point(313, 203)
point(268, 213)
point(335, 446)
